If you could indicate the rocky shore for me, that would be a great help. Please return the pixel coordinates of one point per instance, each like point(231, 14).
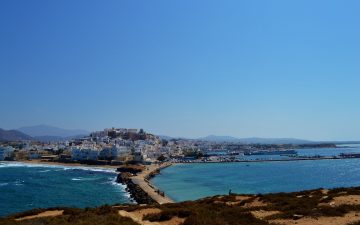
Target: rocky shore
point(136, 192)
point(138, 185)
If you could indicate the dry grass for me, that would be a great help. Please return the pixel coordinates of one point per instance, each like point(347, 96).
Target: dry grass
point(49, 213)
point(338, 206)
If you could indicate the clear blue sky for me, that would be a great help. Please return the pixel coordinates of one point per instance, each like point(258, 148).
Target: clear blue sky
point(183, 68)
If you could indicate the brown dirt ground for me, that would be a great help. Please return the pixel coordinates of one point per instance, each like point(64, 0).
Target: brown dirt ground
point(137, 216)
point(348, 218)
point(43, 214)
point(261, 214)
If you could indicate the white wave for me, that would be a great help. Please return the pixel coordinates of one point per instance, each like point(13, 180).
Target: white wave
point(62, 167)
point(120, 185)
point(3, 184)
point(82, 178)
point(16, 183)
point(122, 188)
point(44, 171)
point(112, 181)
point(19, 183)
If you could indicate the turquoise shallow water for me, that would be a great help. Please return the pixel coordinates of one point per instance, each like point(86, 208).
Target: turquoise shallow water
point(24, 187)
point(192, 181)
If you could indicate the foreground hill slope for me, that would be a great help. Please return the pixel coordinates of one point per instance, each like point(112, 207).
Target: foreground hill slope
point(317, 207)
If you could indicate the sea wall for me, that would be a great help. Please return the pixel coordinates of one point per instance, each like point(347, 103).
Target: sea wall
point(137, 193)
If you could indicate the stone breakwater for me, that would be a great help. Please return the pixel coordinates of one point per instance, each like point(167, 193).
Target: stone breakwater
point(136, 192)
point(139, 186)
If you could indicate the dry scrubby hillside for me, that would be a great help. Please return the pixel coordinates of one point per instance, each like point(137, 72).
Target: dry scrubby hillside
point(337, 206)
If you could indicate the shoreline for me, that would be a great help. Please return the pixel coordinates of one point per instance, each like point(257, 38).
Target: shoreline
point(140, 188)
point(161, 166)
point(139, 185)
point(268, 160)
point(39, 162)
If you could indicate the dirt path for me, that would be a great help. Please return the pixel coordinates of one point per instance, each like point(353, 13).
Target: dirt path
point(150, 189)
point(137, 216)
point(43, 214)
point(345, 220)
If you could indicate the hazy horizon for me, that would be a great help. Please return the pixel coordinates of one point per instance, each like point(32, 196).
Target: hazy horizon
point(186, 137)
point(270, 69)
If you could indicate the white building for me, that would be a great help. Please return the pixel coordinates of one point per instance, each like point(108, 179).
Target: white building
point(114, 152)
point(85, 153)
point(132, 130)
point(120, 151)
point(5, 152)
point(98, 134)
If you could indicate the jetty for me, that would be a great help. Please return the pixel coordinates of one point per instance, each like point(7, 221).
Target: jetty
point(139, 185)
point(143, 181)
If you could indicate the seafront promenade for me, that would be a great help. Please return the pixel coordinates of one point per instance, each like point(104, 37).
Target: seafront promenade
point(142, 180)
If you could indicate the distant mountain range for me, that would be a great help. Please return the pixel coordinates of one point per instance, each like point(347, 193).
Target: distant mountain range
point(255, 140)
point(46, 130)
point(50, 133)
point(215, 138)
point(41, 133)
point(56, 138)
point(13, 135)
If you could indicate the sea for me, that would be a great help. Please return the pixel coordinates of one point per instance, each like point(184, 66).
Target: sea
point(192, 181)
point(28, 186)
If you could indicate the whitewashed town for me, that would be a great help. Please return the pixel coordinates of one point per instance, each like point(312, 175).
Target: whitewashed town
point(113, 146)
point(118, 146)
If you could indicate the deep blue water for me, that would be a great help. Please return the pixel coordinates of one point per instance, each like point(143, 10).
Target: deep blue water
point(192, 181)
point(24, 187)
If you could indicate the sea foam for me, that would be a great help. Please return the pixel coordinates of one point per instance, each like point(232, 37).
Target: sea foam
point(62, 167)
